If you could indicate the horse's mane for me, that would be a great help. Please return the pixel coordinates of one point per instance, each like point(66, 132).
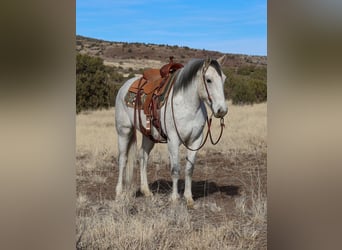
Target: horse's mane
point(187, 74)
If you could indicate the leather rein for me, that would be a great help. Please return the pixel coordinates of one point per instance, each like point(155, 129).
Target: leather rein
point(209, 120)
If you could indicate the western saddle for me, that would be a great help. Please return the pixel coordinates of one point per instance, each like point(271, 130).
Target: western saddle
point(149, 93)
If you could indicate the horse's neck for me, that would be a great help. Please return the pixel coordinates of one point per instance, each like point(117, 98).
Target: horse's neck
point(191, 99)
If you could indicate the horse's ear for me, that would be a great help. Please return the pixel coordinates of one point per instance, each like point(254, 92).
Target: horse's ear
point(222, 59)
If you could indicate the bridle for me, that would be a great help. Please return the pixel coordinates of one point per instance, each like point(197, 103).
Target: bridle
point(209, 120)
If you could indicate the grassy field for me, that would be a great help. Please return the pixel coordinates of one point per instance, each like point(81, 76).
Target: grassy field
point(229, 189)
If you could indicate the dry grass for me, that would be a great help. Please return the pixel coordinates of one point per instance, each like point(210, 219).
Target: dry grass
point(221, 219)
point(136, 64)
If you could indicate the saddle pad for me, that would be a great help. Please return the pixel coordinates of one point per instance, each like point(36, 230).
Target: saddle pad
point(130, 99)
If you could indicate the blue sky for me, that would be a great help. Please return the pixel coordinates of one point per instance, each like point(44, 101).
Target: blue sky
point(229, 26)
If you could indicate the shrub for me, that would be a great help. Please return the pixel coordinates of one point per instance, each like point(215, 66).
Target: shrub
point(113, 91)
point(259, 90)
point(245, 70)
point(92, 90)
point(260, 73)
point(247, 91)
point(243, 94)
point(247, 85)
point(131, 75)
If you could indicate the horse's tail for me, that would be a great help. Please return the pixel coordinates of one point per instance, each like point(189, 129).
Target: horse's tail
point(131, 159)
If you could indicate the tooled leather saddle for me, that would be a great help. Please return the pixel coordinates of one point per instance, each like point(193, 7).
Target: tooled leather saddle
point(149, 93)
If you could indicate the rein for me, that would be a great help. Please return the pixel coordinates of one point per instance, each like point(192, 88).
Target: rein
point(209, 121)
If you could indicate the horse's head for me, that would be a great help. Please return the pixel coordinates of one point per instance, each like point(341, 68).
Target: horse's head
point(211, 87)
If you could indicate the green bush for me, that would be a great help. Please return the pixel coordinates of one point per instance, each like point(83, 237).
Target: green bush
point(243, 94)
point(259, 73)
point(113, 91)
point(246, 85)
point(259, 90)
point(114, 77)
point(92, 90)
point(245, 70)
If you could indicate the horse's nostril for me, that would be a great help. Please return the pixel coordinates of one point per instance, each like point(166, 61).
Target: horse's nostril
point(221, 112)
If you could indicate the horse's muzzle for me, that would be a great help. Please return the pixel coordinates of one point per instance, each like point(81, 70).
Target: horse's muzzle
point(221, 112)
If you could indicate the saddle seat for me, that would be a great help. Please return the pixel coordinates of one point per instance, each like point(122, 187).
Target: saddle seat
point(153, 83)
point(152, 78)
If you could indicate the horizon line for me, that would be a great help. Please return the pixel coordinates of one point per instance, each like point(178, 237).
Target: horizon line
point(184, 46)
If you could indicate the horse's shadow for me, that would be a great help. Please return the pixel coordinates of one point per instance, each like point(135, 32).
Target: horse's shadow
point(199, 189)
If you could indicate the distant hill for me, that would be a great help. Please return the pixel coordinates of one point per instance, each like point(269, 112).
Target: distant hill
point(138, 56)
point(103, 66)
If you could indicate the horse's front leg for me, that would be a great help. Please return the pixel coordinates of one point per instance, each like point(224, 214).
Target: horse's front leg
point(189, 168)
point(174, 160)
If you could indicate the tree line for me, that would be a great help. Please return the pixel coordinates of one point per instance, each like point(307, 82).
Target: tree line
point(97, 85)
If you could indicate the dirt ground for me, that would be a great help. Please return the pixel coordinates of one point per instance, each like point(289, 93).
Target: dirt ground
point(229, 190)
point(216, 179)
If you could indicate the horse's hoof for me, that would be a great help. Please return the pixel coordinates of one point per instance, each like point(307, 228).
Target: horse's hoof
point(118, 194)
point(174, 198)
point(190, 203)
point(118, 197)
point(118, 190)
point(147, 193)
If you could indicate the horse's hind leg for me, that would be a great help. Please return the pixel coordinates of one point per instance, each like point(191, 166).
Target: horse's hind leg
point(124, 137)
point(145, 150)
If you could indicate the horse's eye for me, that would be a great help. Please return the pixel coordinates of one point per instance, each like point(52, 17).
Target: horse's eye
point(208, 81)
